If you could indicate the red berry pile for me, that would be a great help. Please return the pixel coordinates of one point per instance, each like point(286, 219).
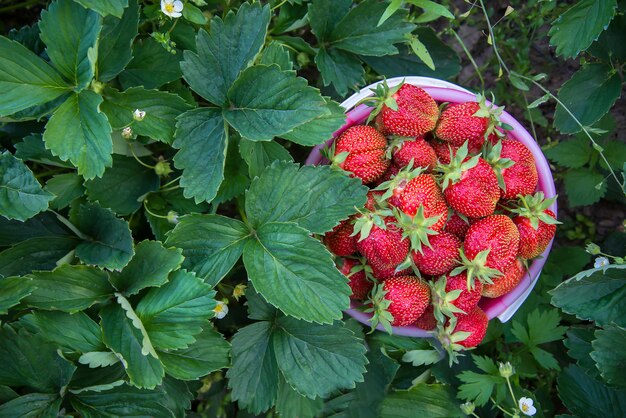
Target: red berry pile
point(452, 215)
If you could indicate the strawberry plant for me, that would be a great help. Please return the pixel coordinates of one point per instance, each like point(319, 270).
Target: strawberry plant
point(165, 250)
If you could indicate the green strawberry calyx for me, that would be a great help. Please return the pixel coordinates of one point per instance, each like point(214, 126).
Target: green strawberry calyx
point(450, 340)
point(399, 181)
point(380, 309)
point(476, 269)
point(383, 96)
point(492, 112)
point(364, 223)
point(534, 208)
point(443, 301)
point(492, 156)
point(453, 172)
point(417, 228)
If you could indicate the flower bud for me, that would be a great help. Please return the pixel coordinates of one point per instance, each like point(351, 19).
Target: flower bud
point(593, 249)
point(138, 115)
point(239, 291)
point(468, 408)
point(172, 217)
point(506, 370)
point(127, 132)
point(162, 168)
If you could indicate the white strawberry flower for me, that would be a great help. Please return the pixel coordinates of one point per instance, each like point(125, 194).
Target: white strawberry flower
point(220, 310)
point(127, 132)
point(138, 115)
point(601, 262)
point(172, 8)
point(526, 406)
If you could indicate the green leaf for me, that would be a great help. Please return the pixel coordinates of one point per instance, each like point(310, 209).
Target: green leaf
point(324, 16)
point(421, 357)
point(433, 8)
point(276, 53)
point(178, 396)
point(106, 7)
point(122, 336)
point(580, 186)
point(572, 153)
point(543, 327)
point(422, 400)
point(253, 377)
point(122, 185)
point(586, 397)
point(149, 267)
point(68, 45)
point(79, 132)
point(615, 153)
point(25, 79)
point(45, 224)
point(211, 244)
point(209, 353)
point(319, 129)
point(69, 288)
point(32, 148)
point(599, 84)
point(229, 48)
point(95, 359)
point(21, 195)
point(258, 308)
point(285, 260)
point(478, 387)
point(177, 311)
point(609, 46)
point(316, 198)
point(202, 139)
point(171, 200)
point(358, 32)
point(66, 188)
point(318, 359)
point(600, 295)
point(267, 102)
point(340, 68)
point(446, 60)
point(109, 242)
point(609, 352)
point(151, 66)
point(422, 53)
point(121, 401)
point(12, 290)
point(75, 332)
point(259, 155)
point(116, 40)
point(580, 25)
point(578, 343)
point(194, 15)
point(28, 360)
point(32, 405)
point(40, 253)
point(161, 109)
point(289, 403)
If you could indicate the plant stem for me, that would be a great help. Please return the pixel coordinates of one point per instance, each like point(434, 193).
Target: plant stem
point(508, 382)
point(145, 206)
point(70, 225)
point(132, 150)
point(500, 408)
point(19, 5)
point(169, 183)
point(279, 4)
point(470, 57)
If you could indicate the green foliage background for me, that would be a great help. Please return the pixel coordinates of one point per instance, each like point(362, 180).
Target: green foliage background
point(119, 236)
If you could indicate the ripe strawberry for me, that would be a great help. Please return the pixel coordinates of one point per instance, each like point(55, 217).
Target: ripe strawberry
point(471, 122)
point(415, 112)
point(340, 240)
point(469, 297)
point(511, 277)
point(521, 177)
point(405, 150)
point(423, 191)
point(382, 274)
point(457, 225)
point(384, 248)
point(470, 185)
point(498, 235)
point(536, 224)
point(388, 175)
point(361, 151)
point(475, 323)
point(355, 271)
point(427, 321)
point(373, 196)
point(405, 298)
point(441, 257)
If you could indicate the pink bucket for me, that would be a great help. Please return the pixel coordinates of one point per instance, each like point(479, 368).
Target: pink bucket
point(442, 91)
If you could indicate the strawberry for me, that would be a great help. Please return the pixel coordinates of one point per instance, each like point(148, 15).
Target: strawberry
point(511, 277)
point(361, 150)
point(444, 151)
point(457, 225)
point(355, 271)
point(340, 240)
point(491, 244)
point(383, 247)
point(382, 274)
point(475, 323)
point(469, 297)
point(536, 224)
point(427, 321)
point(470, 185)
point(521, 177)
point(399, 301)
point(405, 150)
point(389, 174)
point(410, 112)
point(441, 257)
point(471, 122)
point(373, 197)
